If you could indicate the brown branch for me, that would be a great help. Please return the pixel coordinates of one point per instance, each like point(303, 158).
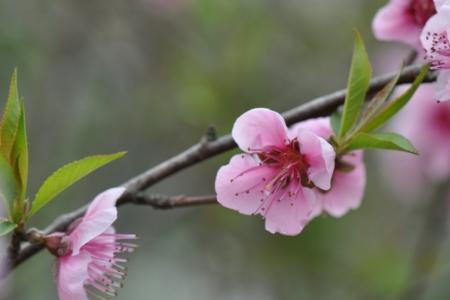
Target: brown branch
point(155, 201)
point(208, 147)
point(168, 202)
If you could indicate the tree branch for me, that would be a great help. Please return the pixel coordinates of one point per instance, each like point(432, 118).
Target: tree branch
point(209, 147)
point(168, 202)
point(155, 201)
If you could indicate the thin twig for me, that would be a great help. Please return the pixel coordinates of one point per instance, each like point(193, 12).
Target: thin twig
point(168, 202)
point(155, 201)
point(206, 148)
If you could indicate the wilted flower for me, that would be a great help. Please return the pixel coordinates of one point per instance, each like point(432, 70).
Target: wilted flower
point(87, 260)
point(278, 174)
point(403, 20)
point(349, 179)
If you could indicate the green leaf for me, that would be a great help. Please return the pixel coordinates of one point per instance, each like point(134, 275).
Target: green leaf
point(358, 84)
point(335, 121)
point(377, 102)
point(67, 176)
point(10, 120)
point(396, 105)
point(389, 141)
point(20, 158)
point(20, 153)
point(8, 184)
point(6, 227)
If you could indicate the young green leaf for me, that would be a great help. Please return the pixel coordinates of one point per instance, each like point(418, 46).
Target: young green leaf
point(10, 120)
point(8, 184)
point(389, 141)
point(358, 84)
point(20, 160)
point(6, 227)
point(20, 153)
point(67, 176)
point(396, 105)
point(380, 98)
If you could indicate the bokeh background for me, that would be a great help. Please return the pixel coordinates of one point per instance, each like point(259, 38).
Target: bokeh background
point(149, 76)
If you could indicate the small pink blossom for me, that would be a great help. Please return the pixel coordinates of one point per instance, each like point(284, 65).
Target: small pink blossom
point(87, 254)
point(427, 124)
point(435, 40)
point(403, 20)
point(277, 175)
point(349, 178)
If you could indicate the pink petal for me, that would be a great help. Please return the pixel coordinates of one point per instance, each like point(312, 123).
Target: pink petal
point(394, 23)
point(318, 126)
point(347, 189)
point(318, 207)
point(72, 273)
point(440, 4)
point(427, 125)
point(320, 156)
point(443, 86)
point(242, 193)
point(322, 128)
point(290, 215)
point(258, 128)
point(439, 24)
point(99, 217)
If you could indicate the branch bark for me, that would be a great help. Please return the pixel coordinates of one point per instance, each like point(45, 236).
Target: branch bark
point(208, 148)
point(168, 202)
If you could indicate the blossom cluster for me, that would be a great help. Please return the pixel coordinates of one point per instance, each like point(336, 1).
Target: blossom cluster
point(288, 175)
point(425, 25)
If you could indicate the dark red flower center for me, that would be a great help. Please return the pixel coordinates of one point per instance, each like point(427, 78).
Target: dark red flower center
point(290, 160)
point(289, 174)
point(422, 10)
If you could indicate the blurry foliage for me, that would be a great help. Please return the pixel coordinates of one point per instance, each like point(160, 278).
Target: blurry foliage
point(148, 76)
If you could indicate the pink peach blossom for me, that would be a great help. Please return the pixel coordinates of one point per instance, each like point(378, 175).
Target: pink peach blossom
point(277, 175)
point(347, 186)
point(87, 253)
point(427, 124)
point(435, 40)
point(403, 20)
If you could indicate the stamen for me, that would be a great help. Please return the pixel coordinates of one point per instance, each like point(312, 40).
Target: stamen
point(439, 53)
point(291, 174)
point(106, 271)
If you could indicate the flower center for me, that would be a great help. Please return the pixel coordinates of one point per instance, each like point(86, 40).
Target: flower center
point(421, 11)
point(291, 163)
point(286, 170)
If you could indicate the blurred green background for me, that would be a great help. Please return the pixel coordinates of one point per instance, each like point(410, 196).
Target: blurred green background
point(149, 76)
